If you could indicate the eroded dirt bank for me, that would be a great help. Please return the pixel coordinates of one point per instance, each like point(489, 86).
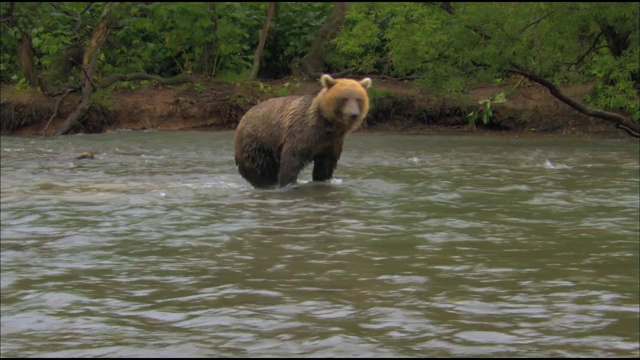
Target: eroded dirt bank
point(213, 105)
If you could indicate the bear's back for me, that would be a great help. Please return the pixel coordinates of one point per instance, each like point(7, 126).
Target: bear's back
point(278, 112)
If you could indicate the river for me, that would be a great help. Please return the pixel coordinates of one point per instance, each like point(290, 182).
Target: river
point(421, 246)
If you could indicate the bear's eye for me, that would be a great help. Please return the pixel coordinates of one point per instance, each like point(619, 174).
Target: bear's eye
point(359, 102)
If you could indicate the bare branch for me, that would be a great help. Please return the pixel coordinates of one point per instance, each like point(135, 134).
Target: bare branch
point(499, 26)
point(78, 23)
point(446, 6)
point(55, 111)
point(88, 77)
point(479, 64)
point(536, 22)
point(87, 8)
point(590, 50)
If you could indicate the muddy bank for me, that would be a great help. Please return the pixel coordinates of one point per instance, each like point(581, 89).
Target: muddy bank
point(215, 105)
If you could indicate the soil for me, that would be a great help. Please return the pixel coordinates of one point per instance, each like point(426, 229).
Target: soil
point(396, 106)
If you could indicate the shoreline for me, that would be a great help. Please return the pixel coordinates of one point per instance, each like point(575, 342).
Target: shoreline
point(396, 108)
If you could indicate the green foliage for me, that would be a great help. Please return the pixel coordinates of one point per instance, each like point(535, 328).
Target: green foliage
point(284, 90)
point(101, 98)
point(291, 33)
point(165, 38)
point(409, 35)
point(51, 30)
point(234, 77)
point(194, 37)
point(447, 48)
point(362, 38)
point(614, 87)
point(386, 105)
point(199, 87)
point(133, 84)
point(20, 83)
point(264, 88)
point(485, 112)
point(159, 38)
point(377, 94)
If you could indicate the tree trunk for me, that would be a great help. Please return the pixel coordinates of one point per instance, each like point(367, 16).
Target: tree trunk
point(203, 64)
point(91, 54)
point(312, 64)
point(25, 55)
point(263, 39)
point(616, 42)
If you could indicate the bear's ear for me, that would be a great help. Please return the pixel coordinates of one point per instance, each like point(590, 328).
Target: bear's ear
point(327, 81)
point(366, 83)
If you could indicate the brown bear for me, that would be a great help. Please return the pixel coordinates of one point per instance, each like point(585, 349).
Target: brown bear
point(277, 138)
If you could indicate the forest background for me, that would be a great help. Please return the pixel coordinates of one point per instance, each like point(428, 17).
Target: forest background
point(551, 67)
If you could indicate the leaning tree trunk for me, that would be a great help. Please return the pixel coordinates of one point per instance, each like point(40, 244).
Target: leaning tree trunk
point(91, 54)
point(621, 122)
point(263, 39)
point(312, 64)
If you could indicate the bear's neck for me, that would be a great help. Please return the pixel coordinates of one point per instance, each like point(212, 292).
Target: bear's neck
point(331, 127)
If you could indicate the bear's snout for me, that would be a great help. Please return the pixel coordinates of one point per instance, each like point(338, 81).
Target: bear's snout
point(351, 111)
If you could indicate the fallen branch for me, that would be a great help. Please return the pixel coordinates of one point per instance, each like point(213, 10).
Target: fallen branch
point(61, 89)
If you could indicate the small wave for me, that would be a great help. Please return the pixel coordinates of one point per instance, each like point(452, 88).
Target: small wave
point(406, 279)
point(514, 187)
point(490, 337)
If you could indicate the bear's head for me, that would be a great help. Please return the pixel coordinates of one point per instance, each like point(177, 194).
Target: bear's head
point(344, 101)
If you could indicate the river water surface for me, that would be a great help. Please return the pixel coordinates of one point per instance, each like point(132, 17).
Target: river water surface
point(422, 246)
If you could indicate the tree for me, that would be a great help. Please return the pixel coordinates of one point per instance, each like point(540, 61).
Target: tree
point(312, 64)
point(89, 59)
point(450, 45)
point(289, 38)
point(263, 39)
point(17, 21)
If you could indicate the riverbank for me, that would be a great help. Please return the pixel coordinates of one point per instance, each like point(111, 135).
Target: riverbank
point(211, 105)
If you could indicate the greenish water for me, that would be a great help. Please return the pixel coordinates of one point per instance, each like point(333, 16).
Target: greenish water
point(423, 246)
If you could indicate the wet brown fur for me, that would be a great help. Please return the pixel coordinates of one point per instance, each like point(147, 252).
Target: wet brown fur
point(277, 138)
